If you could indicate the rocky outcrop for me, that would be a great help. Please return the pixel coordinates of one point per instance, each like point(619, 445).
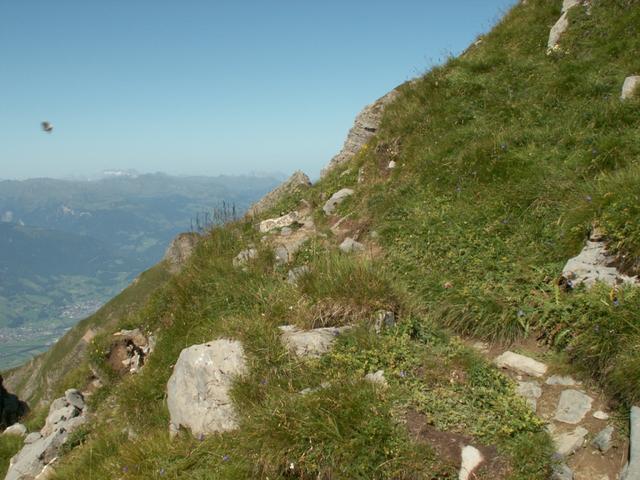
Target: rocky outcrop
point(295, 183)
point(364, 128)
point(180, 250)
point(630, 87)
point(310, 343)
point(288, 243)
point(42, 448)
point(129, 350)
point(198, 389)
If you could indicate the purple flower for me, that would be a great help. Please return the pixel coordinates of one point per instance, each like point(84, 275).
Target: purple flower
point(162, 472)
point(263, 381)
point(225, 458)
point(616, 302)
point(403, 373)
point(125, 469)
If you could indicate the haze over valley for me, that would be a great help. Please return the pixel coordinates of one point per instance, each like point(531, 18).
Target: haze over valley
point(68, 246)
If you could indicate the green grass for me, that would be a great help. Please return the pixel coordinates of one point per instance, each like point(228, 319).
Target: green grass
point(506, 158)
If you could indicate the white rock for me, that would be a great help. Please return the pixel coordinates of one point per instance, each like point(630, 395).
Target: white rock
point(600, 415)
point(521, 364)
point(349, 245)
point(310, 343)
point(573, 406)
point(336, 199)
point(592, 265)
point(377, 378)
point(280, 222)
point(568, 443)
point(531, 391)
point(180, 250)
point(561, 380)
point(75, 398)
point(198, 389)
point(16, 429)
point(556, 32)
point(562, 472)
point(384, 319)
point(630, 87)
point(567, 4)
point(471, 459)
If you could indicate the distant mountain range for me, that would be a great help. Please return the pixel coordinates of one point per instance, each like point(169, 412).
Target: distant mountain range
point(67, 246)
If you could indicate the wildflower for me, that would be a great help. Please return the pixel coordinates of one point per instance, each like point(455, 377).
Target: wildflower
point(162, 472)
point(403, 373)
point(225, 458)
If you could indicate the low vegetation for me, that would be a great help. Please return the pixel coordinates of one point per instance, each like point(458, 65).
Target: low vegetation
point(505, 159)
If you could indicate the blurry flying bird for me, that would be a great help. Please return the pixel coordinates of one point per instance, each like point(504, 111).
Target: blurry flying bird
point(47, 127)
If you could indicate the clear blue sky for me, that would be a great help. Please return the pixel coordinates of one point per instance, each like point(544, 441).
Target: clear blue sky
point(208, 87)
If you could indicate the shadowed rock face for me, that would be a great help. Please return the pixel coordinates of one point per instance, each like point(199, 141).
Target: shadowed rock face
point(11, 407)
point(364, 128)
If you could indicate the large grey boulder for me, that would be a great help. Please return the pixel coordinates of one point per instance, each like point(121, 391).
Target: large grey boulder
point(521, 364)
point(364, 128)
point(180, 250)
point(198, 389)
point(336, 199)
point(630, 87)
point(632, 471)
point(309, 343)
point(41, 449)
point(295, 183)
point(573, 406)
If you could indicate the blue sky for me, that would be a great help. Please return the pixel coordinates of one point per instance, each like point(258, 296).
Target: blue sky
point(208, 87)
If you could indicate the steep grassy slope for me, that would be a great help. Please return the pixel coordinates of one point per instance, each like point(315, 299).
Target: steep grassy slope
point(505, 158)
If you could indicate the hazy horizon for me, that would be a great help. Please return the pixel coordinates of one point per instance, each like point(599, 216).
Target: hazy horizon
point(197, 88)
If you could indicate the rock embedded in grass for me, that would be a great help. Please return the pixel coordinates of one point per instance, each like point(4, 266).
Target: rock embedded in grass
point(349, 245)
point(521, 364)
point(573, 406)
point(563, 380)
point(198, 389)
point(310, 343)
point(279, 222)
point(16, 429)
point(630, 87)
point(244, 256)
point(336, 199)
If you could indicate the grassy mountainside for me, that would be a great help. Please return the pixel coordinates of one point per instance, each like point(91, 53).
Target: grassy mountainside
point(505, 157)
